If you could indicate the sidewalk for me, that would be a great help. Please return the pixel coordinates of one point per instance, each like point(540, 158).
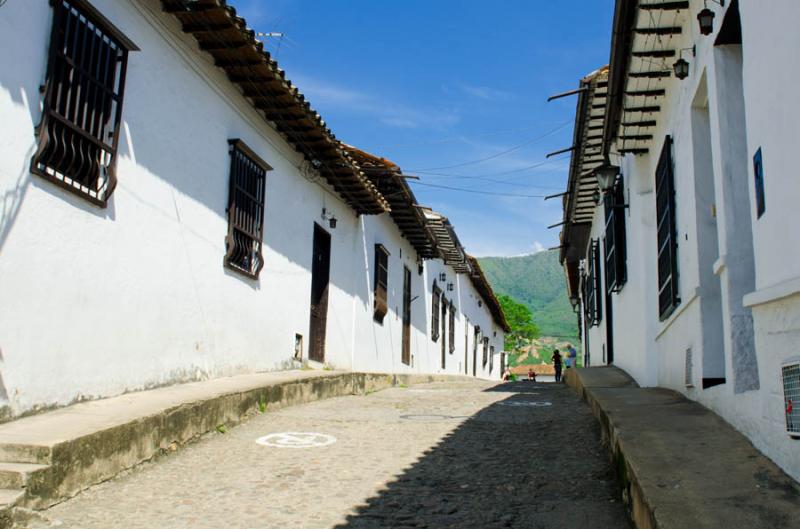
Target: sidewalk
point(51, 456)
point(681, 465)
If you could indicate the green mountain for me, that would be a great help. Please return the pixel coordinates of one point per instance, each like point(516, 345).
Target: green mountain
point(538, 282)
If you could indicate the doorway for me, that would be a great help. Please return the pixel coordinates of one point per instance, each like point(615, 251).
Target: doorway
point(320, 278)
point(475, 351)
point(406, 352)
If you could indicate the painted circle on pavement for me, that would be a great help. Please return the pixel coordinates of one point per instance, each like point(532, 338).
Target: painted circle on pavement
point(296, 440)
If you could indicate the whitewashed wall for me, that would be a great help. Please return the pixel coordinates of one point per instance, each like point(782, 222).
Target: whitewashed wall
point(718, 283)
point(96, 302)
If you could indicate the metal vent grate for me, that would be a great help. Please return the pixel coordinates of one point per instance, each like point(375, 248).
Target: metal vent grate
point(791, 397)
point(688, 376)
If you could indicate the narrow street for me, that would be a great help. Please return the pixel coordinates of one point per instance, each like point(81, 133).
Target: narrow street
point(466, 454)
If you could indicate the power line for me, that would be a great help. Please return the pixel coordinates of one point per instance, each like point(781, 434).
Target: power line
point(457, 138)
point(501, 173)
point(501, 153)
point(466, 190)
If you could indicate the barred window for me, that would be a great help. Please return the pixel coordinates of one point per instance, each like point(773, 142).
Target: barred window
point(246, 210)
point(435, 308)
point(668, 298)
point(615, 240)
point(381, 282)
point(452, 334)
point(485, 350)
point(82, 108)
point(592, 286)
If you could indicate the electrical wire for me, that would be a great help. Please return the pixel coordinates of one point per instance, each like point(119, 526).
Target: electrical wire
point(457, 138)
point(475, 191)
point(499, 154)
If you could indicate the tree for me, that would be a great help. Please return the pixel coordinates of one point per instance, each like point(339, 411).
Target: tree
point(520, 319)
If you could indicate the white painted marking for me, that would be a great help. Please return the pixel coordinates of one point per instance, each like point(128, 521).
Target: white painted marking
point(529, 403)
point(296, 440)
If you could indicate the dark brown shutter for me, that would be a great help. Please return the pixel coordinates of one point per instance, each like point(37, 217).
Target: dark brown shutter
point(248, 181)
point(381, 282)
point(615, 248)
point(668, 298)
point(435, 299)
point(452, 338)
point(82, 110)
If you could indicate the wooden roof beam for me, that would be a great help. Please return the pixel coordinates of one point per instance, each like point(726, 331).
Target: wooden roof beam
point(646, 93)
point(654, 53)
point(665, 6)
point(670, 30)
point(651, 123)
point(661, 74)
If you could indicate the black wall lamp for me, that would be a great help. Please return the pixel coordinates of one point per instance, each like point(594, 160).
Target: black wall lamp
point(450, 287)
point(606, 175)
point(327, 215)
point(706, 17)
point(442, 277)
point(573, 300)
point(681, 66)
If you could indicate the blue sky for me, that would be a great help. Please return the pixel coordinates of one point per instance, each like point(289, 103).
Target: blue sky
point(433, 85)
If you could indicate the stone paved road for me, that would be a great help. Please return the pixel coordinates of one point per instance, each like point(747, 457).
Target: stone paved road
point(464, 454)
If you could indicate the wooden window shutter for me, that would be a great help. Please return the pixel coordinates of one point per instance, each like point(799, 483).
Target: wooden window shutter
point(615, 239)
point(452, 335)
point(667, 237)
point(246, 195)
point(381, 305)
point(435, 300)
point(82, 110)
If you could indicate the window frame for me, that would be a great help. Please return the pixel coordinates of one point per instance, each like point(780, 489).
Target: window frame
point(591, 286)
point(615, 241)
point(436, 293)
point(83, 100)
point(666, 233)
point(239, 152)
point(380, 303)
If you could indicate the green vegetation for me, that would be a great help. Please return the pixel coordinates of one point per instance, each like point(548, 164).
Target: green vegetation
point(538, 282)
point(520, 319)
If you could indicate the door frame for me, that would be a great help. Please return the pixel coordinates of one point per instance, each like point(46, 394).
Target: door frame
point(317, 327)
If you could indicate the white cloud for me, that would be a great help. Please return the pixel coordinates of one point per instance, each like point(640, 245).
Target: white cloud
point(325, 94)
point(485, 92)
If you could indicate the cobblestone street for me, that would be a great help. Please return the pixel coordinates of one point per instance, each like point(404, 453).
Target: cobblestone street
point(465, 454)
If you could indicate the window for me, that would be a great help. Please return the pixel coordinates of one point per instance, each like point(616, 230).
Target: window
point(485, 350)
point(592, 287)
point(452, 335)
point(381, 305)
point(82, 108)
point(435, 298)
point(758, 172)
point(443, 320)
point(246, 210)
point(668, 298)
point(491, 358)
point(616, 266)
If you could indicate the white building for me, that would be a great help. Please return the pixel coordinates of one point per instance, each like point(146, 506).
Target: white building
point(173, 210)
point(688, 268)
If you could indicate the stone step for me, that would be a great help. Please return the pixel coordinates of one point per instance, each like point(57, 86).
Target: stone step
point(23, 453)
point(8, 499)
point(15, 475)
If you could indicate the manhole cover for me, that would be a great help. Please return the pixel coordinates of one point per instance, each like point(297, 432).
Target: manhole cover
point(528, 403)
point(296, 440)
point(431, 417)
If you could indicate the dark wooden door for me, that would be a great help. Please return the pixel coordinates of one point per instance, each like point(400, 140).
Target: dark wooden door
point(406, 354)
point(444, 333)
point(475, 351)
point(466, 347)
point(320, 277)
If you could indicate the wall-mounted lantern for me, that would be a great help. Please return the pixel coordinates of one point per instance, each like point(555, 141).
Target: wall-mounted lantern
point(327, 215)
point(442, 277)
point(706, 17)
point(450, 287)
point(681, 66)
point(606, 175)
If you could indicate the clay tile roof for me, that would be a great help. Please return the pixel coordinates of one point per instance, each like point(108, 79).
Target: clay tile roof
point(236, 50)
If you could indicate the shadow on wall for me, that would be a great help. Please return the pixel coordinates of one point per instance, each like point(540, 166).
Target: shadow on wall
point(513, 464)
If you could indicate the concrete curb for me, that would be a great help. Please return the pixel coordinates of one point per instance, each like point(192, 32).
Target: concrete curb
point(679, 464)
point(73, 465)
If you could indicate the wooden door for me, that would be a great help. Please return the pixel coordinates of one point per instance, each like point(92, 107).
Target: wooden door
point(406, 354)
point(466, 347)
point(444, 332)
point(320, 277)
point(475, 340)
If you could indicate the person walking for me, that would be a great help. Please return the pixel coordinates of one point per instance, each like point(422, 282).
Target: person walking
point(572, 354)
point(557, 364)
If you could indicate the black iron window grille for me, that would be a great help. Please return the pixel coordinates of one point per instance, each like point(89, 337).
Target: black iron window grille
point(615, 241)
point(82, 110)
point(592, 286)
point(668, 298)
point(452, 329)
point(246, 210)
point(435, 308)
point(381, 305)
